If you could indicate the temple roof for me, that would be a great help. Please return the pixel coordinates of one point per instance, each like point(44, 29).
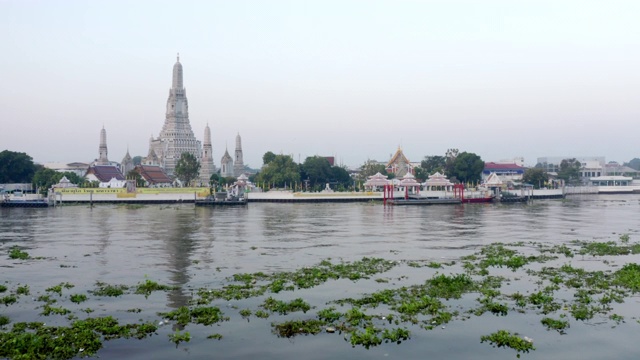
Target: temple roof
point(105, 173)
point(398, 156)
point(153, 174)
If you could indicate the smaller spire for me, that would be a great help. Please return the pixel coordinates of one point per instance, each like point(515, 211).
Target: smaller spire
point(178, 57)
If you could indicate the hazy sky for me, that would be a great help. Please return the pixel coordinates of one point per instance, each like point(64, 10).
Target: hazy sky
point(353, 79)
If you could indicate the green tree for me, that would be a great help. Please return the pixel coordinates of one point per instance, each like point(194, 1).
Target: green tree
point(450, 160)
point(341, 176)
point(44, 178)
point(370, 168)
point(137, 160)
point(280, 171)
point(420, 173)
point(16, 167)
point(467, 167)
point(536, 177)
point(317, 170)
point(187, 168)
point(433, 164)
point(268, 157)
point(570, 171)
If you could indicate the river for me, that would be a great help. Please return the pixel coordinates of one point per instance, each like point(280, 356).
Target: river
point(193, 247)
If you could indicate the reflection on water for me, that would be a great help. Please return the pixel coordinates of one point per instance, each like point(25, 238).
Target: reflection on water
point(194, 247)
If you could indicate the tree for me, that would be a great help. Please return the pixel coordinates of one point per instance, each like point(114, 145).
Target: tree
point(370, 168)
point(433, 164)
point(536, 177)
point(634, 164)
point(467, 167)
point(280, 171)
point(45, 178)
point(450, 159)
point(16, 167)
point(421, 173)
point(317, 170)
point(187, 168)
point(268, 157)
point(137, 160)
point(570, 171)
point(341, 176)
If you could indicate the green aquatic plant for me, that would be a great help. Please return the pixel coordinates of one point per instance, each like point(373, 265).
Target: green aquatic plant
point(149, 286)
point(16, 253)
point(298, 327)
point(179, 337)
point(555, 324)
point(78, 298)
point(215, 337)
point(23, 290)
point(4, 320)
point(504, 338)
point(199, 315)
point(58, 288)
point(103, 289)
point(3, 288)
point(283, 307)
point(8, 300)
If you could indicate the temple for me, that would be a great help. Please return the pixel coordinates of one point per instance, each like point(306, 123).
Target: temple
point(207, 168)
point(399, 164)
point(226, 165)
point(238, 165)
point(176, 136)
point(103, 159)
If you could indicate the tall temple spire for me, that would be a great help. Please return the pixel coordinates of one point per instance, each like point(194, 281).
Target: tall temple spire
point(103, 159)
point(177, 75)
point(207, 168)
point(238, 165)
point(176, 136)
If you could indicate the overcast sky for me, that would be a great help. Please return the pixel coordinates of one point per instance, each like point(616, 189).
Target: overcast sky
point(352, 79)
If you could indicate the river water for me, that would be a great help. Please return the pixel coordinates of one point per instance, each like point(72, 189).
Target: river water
point(197, 246)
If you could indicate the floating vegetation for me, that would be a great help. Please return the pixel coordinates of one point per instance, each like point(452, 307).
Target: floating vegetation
point(35, 340)
point(555, 324)
point(78, 298)
point(198, 315)
point(504, 338)
point(16, 253)
point(147, 287)
point(179, 337)
point(556, 290)
point(103, 289)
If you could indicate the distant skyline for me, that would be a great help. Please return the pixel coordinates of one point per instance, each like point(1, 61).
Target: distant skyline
point(350, 79)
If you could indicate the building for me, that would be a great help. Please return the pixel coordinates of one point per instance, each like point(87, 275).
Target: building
point(207, 168)
point(108, 176)
point(127, 164)
point(176, 136)
point(153, 176)
point(102, 148)
point(238, 165)
point(399, 164)
point(506, 172)
point(226, 165)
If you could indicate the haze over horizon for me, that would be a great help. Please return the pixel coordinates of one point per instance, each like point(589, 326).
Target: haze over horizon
point(350, 79)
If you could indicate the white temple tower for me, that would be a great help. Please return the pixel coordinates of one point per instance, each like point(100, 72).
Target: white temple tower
point(103, 160)
point(238, 164)
point(207, 168)
point(176, 136)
